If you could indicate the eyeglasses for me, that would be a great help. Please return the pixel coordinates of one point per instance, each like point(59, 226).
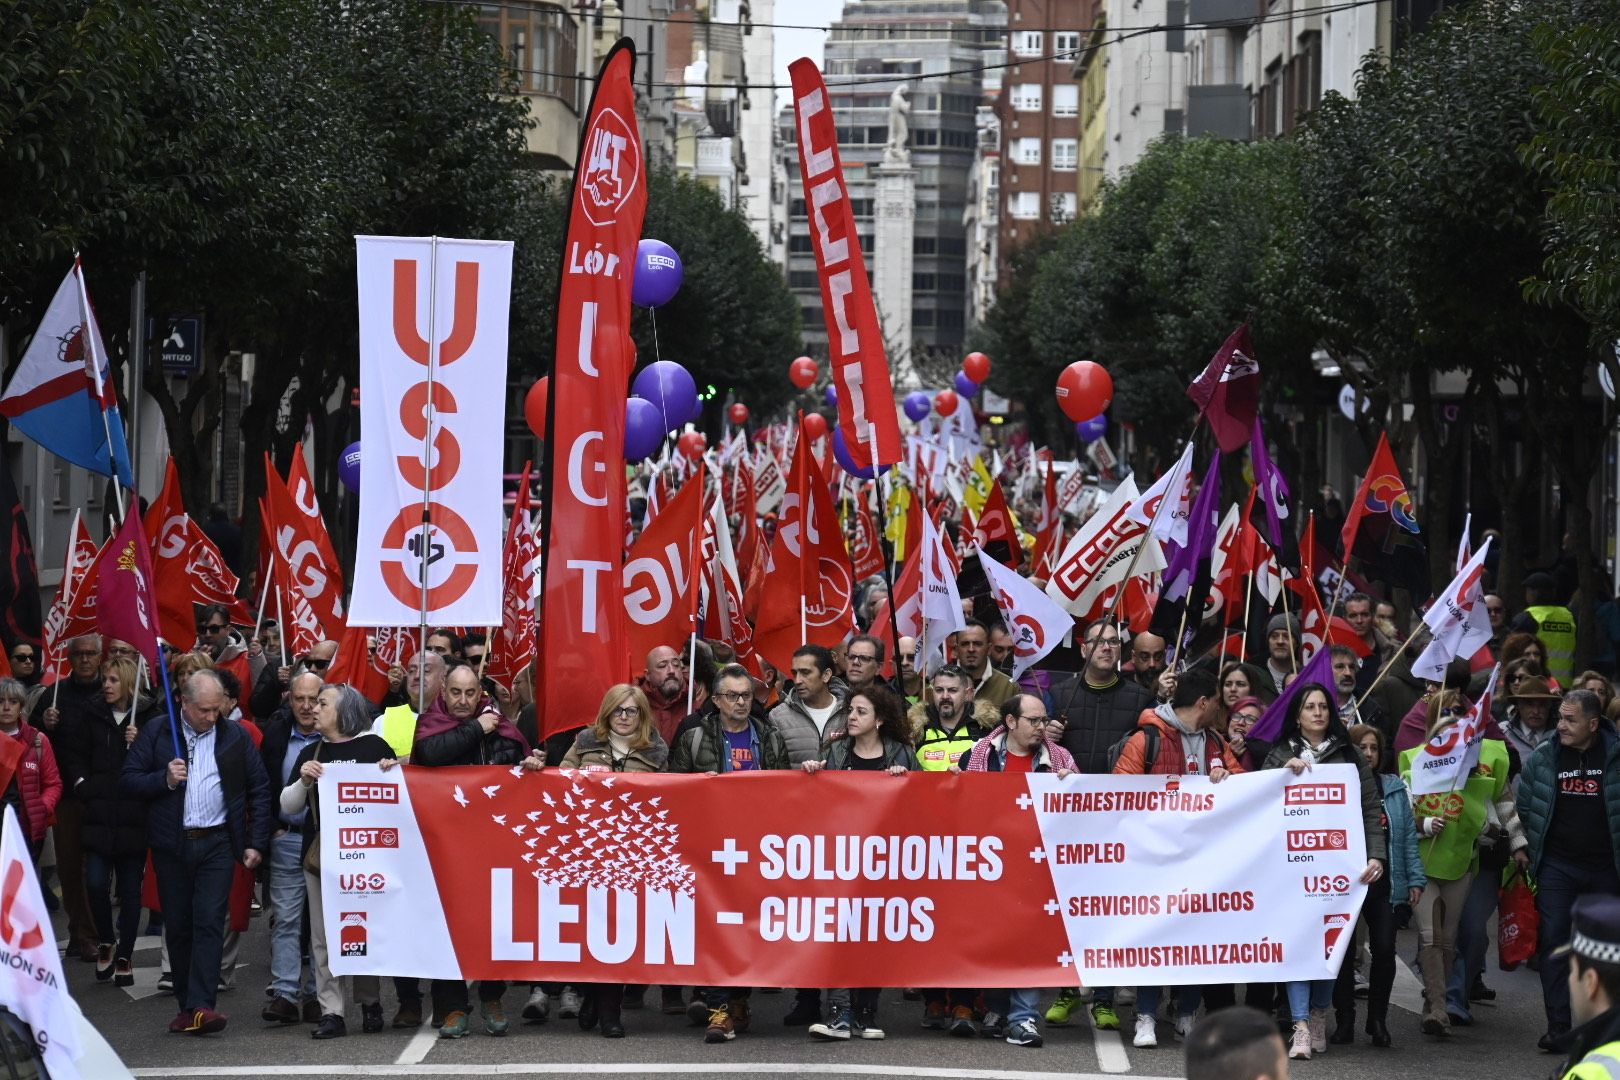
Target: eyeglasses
point(907, 657)
point(22, 657)
point(213, 628)
point(1247, 718)
point(859, 658)
point(314, 663)
point(733, 695)
point(627, 710)
point(1104, 642)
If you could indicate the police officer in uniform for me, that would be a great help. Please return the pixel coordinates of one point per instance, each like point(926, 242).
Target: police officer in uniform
point(1594, 990)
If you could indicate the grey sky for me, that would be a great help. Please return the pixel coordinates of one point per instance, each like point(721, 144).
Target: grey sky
point(792, 44)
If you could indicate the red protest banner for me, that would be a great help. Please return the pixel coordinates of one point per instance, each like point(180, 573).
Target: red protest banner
point(595, 876)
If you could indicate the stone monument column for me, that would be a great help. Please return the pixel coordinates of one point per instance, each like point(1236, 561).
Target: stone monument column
point(895, 223)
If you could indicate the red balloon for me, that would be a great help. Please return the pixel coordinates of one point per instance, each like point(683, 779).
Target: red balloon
point(815, 425)
point(803, 371)
point(945, 402)
point(738, 414)
point(1084, 390)
point(692, 444)
point(976, 366)
point(534, 406)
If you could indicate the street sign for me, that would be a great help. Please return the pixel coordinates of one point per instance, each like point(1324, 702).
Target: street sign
point(180, 344)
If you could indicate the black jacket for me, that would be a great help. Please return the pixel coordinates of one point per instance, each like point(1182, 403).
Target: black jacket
point(76, 702)
point(277, 734)
point(1097, 718)
point(466, 744)
point(91, 760)
point(248, 816)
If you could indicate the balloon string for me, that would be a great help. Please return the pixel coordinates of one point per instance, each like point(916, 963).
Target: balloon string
point(652, 315)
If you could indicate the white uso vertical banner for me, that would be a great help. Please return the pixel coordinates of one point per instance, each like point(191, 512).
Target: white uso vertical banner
point(453, 452)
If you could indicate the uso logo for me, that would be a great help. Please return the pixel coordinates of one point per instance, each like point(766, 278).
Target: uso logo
point(361, 884)
point(1313, 795)
point(1316, 840)
point(369, 838)
point(1327, 884)
point(368, 793)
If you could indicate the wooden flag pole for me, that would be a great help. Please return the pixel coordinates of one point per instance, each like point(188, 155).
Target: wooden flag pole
point(1396, 655)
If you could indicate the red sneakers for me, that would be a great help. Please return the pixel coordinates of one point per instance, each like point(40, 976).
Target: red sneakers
point(197, 1022)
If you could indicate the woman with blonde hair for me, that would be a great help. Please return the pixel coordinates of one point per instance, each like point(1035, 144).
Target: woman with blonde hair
point(624, 738)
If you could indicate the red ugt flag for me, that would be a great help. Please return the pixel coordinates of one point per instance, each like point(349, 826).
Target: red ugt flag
point(1228, 391)
point(124, 606)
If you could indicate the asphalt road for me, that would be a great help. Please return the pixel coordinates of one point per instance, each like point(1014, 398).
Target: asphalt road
point(1501, 1044)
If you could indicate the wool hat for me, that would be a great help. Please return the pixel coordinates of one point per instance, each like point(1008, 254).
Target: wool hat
point(1280, 621)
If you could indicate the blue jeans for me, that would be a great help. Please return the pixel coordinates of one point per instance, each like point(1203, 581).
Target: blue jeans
point(1559, 884)
point(1023, 1005)
point(1471, 944)
point(194, 886)
point(1305, 996)
point(98, 878)
point(289, 978)
point(1148, 998)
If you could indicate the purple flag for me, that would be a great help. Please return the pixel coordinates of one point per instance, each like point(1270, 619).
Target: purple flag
point(1227, 392)
point(1202, 525)
point(1319, 669)
point(1269, 479)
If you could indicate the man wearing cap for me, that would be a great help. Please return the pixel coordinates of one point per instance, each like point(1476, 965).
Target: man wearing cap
point(1569, 802)
point(1282, 644)
point(1593, 954)
point(1553, 623)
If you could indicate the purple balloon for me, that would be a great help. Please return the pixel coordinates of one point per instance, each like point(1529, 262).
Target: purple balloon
point(658, 274)
point(671, 390)
point(349, 467)
point(831, 394)
point(841, 452)
point(919, 405)
point(1092, 430)
point(643, 428)
point(965, 386)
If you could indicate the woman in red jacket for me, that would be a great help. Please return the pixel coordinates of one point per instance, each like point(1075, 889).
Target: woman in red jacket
point(37, 777)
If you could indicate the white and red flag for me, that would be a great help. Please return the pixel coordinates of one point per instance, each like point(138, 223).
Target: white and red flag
point(996, 532)
point(1036, 622)
point(1443, 763)
point(725, 610)
point(1166, 507)
point(1102, 554)
point(865, 552)
point(866, 413)
point(941, 602)
point(1457, 619)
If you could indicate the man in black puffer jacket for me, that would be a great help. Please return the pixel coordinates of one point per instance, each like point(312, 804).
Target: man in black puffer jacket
point(1101, 706)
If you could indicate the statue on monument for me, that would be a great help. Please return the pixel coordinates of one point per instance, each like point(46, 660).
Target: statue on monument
point(898, 149)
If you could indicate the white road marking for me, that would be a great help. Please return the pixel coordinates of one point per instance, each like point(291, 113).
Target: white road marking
point(1111, 1057)
point(418, 1047)
point(753, 1068)
point(1408, 990)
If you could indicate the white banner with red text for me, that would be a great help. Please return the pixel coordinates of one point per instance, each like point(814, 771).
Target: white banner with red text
point(748, 879)
point(433, 336)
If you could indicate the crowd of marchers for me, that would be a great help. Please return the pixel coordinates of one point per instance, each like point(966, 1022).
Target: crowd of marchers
point(208, 824)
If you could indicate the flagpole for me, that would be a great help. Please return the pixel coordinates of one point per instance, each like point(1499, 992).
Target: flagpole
point(429, 412)
point(281, 628)
point(804, 534)
point(1394, 656)
point(695, 578)
point(264, 593)
point(1243, 639)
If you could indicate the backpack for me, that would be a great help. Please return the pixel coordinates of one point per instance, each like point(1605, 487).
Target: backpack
point(1150, 752)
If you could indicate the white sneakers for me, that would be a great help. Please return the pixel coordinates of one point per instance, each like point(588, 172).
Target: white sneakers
point(538, 1007)
point(1299, 1048)
point(1184, 1026)
point(568, 1003)
point(1147, 1034)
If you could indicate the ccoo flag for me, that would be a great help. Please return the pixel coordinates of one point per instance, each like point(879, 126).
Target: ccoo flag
point(62, 396)
point(866, 413)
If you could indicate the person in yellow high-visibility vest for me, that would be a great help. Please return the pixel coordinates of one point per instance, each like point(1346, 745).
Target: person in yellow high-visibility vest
point(1593, 1044)
point(1550, 621)
point(397, 723)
